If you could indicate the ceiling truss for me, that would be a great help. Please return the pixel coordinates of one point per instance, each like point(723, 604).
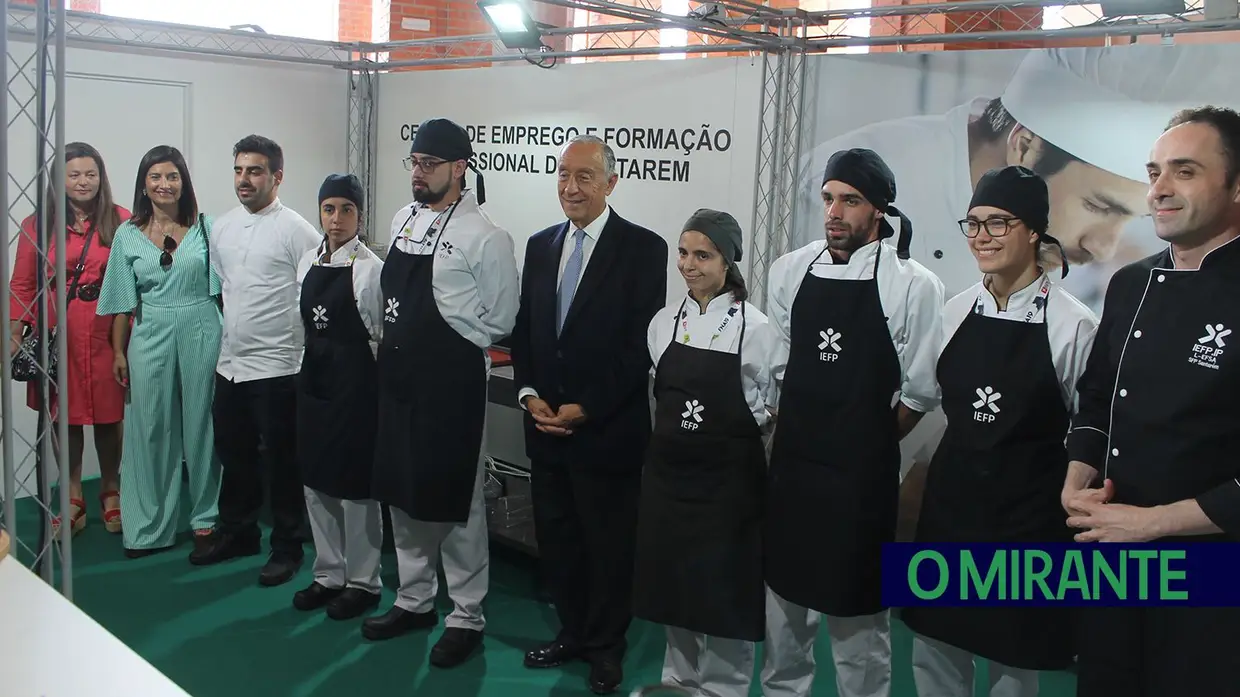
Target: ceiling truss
point(732, 26)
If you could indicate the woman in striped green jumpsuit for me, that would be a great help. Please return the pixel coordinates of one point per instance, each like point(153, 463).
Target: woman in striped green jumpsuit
point(159, 275)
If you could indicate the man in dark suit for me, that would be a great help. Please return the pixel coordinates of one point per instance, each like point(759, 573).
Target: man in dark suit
point(590, 286)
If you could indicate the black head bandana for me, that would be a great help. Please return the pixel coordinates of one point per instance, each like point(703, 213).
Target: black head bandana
point(721, 228)
point(1022, 193)
point(866, 172)
point(346, 186)
point(448, 141)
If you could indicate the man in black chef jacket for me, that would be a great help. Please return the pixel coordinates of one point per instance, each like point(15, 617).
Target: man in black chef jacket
point(860, 325)
point(589, 287)
point(1159, 423)
point(450, 291)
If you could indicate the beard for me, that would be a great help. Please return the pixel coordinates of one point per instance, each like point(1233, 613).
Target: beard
point(427, 195)
point(845, 238)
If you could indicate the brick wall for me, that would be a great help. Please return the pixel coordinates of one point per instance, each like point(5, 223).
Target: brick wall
point(356, 20)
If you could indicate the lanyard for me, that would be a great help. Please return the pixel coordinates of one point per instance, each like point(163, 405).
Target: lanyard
point(318, 259)
point(1039, 301)
point(432, 234)
point(684, 322)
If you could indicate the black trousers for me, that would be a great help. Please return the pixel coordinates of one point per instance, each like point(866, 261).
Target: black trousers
point(586, 529)
point(1159, 652)
point(247, 414)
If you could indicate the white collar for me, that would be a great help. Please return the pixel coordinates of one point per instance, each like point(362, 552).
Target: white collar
point(1020, 302)
point(863, 255)
point(595, 228)
point(719, 303)
point(272, 207)
point(347, 253)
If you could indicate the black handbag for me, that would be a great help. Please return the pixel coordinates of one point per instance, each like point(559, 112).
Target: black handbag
point(26, 360)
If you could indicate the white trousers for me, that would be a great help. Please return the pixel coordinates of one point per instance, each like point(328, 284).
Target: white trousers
point(348, 537)
point(860, 647)
point(942, 670)
point(465, 552)
point(708, 666)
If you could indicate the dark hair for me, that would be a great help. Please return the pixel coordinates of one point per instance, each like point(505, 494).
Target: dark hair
point(734, 283)
point(1226, 122)
point(260, 145)
point(104, 218)
point(187, 205)
point(996, 123)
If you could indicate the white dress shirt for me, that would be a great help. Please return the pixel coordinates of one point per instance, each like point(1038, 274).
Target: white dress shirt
point(367, 293)
point(474, 277)
point(1070, 326)
point(761, 342)
point(594, 231)
point(256, 257)
point(912, 298)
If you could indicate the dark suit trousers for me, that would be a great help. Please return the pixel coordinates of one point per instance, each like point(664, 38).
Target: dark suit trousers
point(586, 528)
point(245, 415)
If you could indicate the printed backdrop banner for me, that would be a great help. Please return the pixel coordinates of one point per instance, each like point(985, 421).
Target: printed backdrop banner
point(684, 135)
point(1084, 118)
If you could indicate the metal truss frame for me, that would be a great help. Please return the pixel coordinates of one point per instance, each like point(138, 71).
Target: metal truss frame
point(781, 38)
point(38, 90)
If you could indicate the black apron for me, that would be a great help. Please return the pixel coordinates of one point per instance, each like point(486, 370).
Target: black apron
point(835, 457)
point(699, 535)
point(337, 388)
point(432, 396)
point(1173, 436)
point(996, 477)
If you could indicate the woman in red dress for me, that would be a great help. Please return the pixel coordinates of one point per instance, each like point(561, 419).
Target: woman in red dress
point(94, 397)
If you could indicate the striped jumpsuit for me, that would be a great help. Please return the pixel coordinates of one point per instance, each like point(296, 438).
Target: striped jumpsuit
point(173, 347)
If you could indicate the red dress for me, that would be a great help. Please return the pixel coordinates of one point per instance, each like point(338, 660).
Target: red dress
point(94, 395)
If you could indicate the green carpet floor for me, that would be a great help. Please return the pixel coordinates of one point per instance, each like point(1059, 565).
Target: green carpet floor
point(217, 633)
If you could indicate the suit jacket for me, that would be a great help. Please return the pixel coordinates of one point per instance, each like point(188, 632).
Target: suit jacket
point(600, 360)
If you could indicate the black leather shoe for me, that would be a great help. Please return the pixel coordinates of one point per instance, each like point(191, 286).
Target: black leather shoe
point(397, 622)
point(556, 653)
point(280, 568)
point(455, 646)
point(351, 604)
point(605, 675)
point(222, 547)
point(314, 596)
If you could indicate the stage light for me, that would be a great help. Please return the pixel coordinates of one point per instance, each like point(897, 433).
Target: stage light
point(512, 23)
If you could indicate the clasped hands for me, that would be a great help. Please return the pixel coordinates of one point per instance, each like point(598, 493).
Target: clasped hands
point(1091, 511)
point(555, 423)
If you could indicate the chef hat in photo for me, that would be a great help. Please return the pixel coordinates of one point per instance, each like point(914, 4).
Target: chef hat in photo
point(1107, 106)
point(1024, 194)
point(865, 171)
point(447, 140)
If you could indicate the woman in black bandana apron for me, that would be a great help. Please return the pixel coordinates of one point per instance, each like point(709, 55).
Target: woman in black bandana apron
point(337, 400)
point(699, 545)
point(1014, 348)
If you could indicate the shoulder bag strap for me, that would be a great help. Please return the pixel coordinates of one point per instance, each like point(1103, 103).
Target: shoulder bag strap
point(81, 266)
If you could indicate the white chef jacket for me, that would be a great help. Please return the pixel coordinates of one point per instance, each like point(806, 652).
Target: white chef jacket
point(761, 342)
point(929, 156)
point(594, 231)
point(474, 277)
point(256, 257)
point(1070, 326)
point(367, 268)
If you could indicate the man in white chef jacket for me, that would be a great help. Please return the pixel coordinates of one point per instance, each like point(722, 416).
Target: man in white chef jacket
point(450, 292)
point(255, 249)
point(860, 324)
point(1070, 115)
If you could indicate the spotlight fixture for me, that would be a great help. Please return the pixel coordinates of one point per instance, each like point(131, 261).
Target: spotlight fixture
point(512, 23)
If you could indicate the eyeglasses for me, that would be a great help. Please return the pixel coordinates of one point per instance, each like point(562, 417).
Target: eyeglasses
point(995, 227)
point(425, 164)
point(170, 246)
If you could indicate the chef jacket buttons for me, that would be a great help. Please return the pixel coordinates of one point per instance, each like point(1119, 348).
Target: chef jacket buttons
point(1115, 452)
point(1162, 277)
point(1137, 333)
point(1123, 393)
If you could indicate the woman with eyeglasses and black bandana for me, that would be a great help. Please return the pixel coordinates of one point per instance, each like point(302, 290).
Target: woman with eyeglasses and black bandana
point(1012, 350)
point(166, 338)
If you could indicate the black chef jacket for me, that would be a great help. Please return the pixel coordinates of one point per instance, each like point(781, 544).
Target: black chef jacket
point(1159, 409)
